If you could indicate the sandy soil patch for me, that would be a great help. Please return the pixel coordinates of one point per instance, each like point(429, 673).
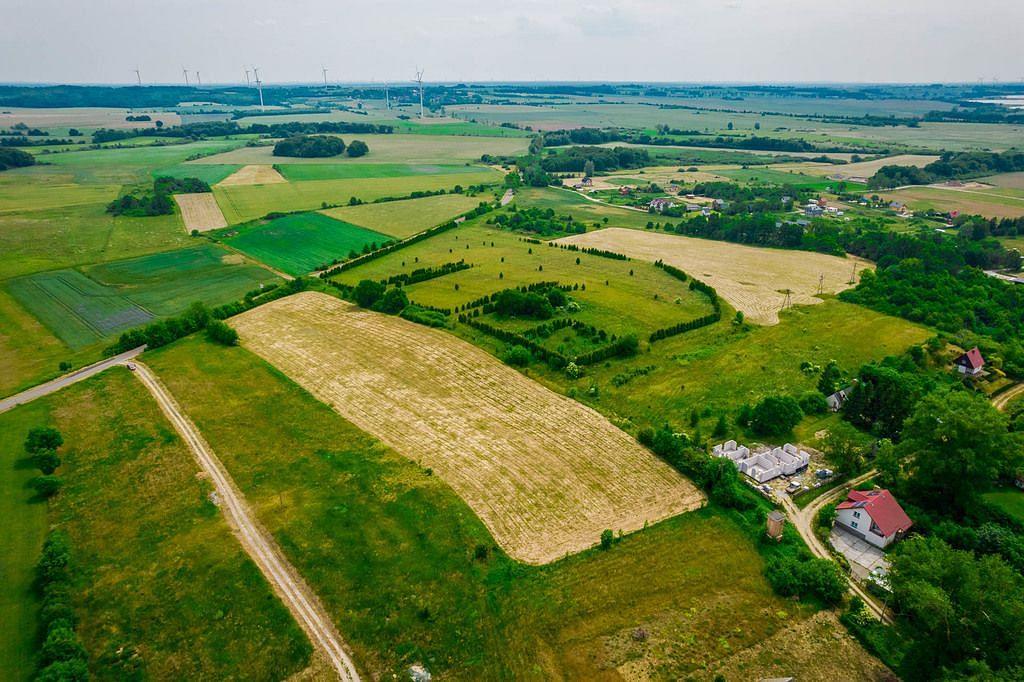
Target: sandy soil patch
point(751, 279)
point(200, 211)
point(252, 175)
point(545, 474)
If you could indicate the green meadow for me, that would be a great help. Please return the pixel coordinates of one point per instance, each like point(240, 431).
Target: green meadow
point(298, 244)
point(162, 590)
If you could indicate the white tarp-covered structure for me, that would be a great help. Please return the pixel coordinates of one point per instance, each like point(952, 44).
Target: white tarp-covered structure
point(766, 464)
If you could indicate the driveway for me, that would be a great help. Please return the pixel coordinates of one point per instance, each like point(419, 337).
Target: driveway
point(862, 555)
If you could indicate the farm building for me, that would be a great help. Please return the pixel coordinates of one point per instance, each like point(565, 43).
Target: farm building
point(765, 465)
point(970, 363)
point(836, 400)
point(813, 210)
point(660, 205)
point(873, 515)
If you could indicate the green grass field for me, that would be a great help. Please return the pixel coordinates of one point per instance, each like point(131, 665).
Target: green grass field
point(401, 219)
point(163, 589)
point(83, 307)
point(133, 164)
point(1010, 501)
point(406, 588)
point(24, 530)
point(243, 203)
point(298, 244)
point(300, 172)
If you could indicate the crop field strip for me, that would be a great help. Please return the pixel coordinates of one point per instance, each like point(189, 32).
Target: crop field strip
point(252, 174)
point(545, 474)
point(200, 212)
point(346, 170)
point(749, 278)
point(298, 244)
point(242, 203)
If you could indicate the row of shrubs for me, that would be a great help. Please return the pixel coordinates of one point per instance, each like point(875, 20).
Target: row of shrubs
point(592, 251)
point(553, 358)
point(199, 317)
point(682, 327)
point(423, 274)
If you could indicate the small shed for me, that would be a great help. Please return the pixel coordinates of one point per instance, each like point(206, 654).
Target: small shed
point(776, 520)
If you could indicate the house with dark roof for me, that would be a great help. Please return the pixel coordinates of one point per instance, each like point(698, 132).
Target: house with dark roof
point(970, 363)
point(873, 515)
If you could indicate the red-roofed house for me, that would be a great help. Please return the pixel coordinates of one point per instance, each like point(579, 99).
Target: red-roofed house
point(874, 515)
point(970, 363)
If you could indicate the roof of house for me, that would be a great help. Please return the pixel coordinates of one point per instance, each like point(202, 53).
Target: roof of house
point(881, 506)
point(972, 359)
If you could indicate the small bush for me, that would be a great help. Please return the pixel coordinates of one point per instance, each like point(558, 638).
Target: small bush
point(46, 461)
point(46, 486)
point(518, 356)
point(43, 438)
point(222, 333)
point(607, 538)
point(813, 402)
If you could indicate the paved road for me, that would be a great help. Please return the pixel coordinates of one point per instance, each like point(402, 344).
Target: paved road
point(803, 520)
point(258, 544)
point(66, 380)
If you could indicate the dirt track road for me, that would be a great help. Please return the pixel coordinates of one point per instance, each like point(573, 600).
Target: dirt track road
point(1003, 399)
point(803, 519)
point(258, 544)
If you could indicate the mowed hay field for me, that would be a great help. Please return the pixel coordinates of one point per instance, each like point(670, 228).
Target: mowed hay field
point(242, 203)
point(751, 279)
point(544, 473)
point(401, 219)
point(200, 211)
point(861, 169)
point(253, 174)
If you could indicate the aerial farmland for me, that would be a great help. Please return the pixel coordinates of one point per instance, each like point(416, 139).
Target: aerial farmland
point(359, 371)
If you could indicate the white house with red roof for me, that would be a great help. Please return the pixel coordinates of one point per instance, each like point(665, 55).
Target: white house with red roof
point(873, 515)
point(970, 363)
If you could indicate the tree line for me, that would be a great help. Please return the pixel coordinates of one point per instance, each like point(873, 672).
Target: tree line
point(950, 166)
point(158, 201)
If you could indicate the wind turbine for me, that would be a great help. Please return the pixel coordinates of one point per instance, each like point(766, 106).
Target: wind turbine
point(248, 83)
point(419, 81)
point(259, 85)
point(387, 98)
point(138, 76)
point(185, 72)
point(324, 69)
point(199, 81)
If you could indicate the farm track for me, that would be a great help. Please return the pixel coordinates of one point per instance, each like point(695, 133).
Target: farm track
point(803, 519)
point(1003, 399)
point(544, 473)
point(300, 600)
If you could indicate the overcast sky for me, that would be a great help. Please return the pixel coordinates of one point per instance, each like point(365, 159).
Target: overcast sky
point(102, 41)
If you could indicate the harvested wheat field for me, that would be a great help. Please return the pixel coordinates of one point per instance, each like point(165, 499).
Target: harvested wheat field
point(253, 175)
point(200, 211)
point(750, 278)
point(546, 474)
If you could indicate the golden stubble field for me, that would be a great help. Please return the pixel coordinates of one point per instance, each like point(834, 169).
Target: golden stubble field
point(544, 473)
point(750, 278)
point(253, 174)
point(200, 211)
